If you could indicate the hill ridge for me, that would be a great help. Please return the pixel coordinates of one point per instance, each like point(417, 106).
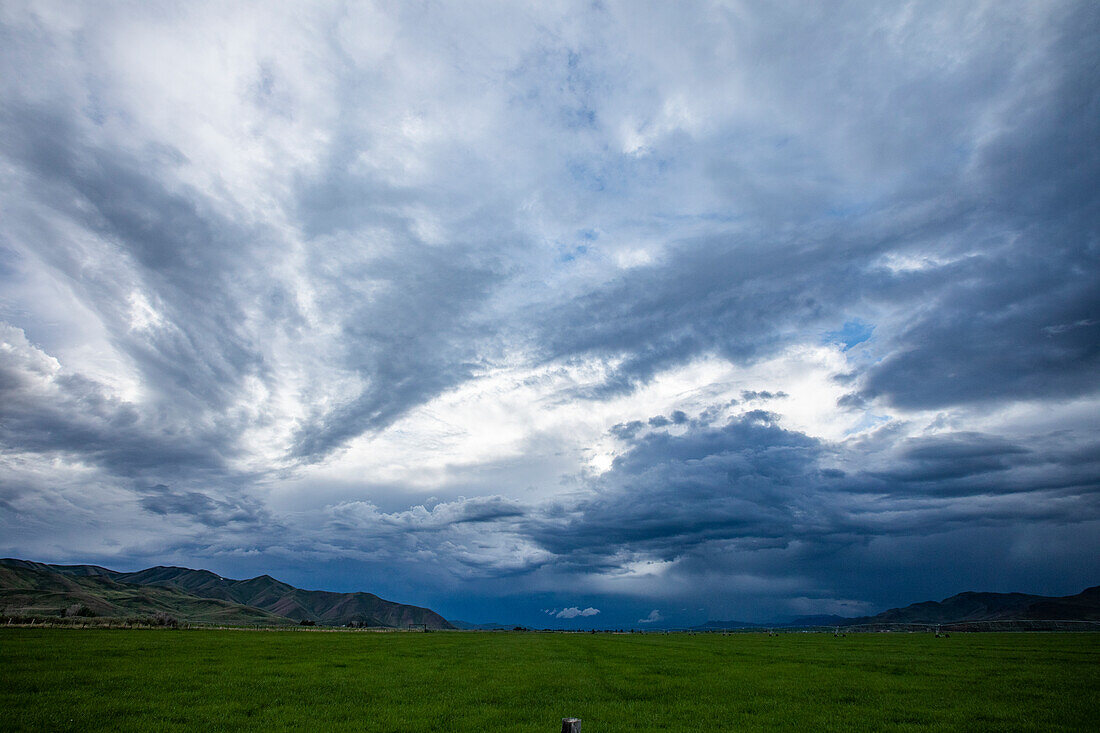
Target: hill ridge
point(263, 599)
point(982, 606)
point(963, 607)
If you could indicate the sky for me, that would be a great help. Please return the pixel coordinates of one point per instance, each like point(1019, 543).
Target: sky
point(569, 314)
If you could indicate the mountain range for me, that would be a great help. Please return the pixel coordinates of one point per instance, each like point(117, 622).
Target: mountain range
point(962, 608)
point(28, 588)
point(984, 607)
point(470, 626)
point(31, 588)
point(795, 623)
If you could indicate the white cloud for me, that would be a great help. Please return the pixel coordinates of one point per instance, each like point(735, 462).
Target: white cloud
point(653, 616)
point(575, 611)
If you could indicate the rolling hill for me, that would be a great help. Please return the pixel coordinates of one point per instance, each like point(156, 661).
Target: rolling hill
point(32, 589)
point(470, 626)
point(796, 623)
point(981, 607)
point(196, 595)
point(962, 608)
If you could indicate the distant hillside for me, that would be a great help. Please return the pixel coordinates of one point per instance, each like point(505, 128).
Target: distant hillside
point(958, 609)
point(978, 607)
point(32, 589)
point(720, 625)
point(795, 623)
point(468, 626)
point(198, 595)
point(821, 619)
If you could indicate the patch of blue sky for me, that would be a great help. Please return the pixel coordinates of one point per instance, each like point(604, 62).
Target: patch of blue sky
point(867, 422)
point(569, 251)
point(570, 254)
point(851, 334)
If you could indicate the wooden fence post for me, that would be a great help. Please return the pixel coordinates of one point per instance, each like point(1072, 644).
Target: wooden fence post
point(570, 725)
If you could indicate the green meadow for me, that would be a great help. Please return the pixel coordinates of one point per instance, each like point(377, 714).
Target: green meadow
point(185, 680)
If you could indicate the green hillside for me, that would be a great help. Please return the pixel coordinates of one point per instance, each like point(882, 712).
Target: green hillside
point(285, 600)
point(195, 595)
point(31, 591)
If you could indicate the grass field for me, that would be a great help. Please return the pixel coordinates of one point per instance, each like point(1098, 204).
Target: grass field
point(69, 679)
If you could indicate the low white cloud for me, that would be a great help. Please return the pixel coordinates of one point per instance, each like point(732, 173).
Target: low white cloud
point(653, 616)
point(574, 612)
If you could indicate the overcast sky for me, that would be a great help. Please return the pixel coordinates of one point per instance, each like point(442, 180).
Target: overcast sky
point(557, 313)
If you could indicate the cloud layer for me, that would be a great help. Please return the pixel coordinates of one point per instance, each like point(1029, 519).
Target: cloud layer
point(741, 311)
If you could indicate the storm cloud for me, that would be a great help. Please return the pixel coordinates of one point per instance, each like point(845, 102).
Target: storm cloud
point(727, 310)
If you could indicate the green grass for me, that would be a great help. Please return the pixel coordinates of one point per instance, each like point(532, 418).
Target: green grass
point(69, 679)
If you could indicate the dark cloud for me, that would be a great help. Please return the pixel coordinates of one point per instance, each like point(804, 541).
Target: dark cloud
point(724, 295)
point(954, 456)
point(410, 340)
point(173, 242)
point(627, 430)
point(413, 338)
point(753, 490)
point(161, 499)
point(669, 493)
point(852, 401)
point(1018, 318)
point(48, 412)
point(1003, 307)
point(750, 394)
point(212, 284)
point(486, 509)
